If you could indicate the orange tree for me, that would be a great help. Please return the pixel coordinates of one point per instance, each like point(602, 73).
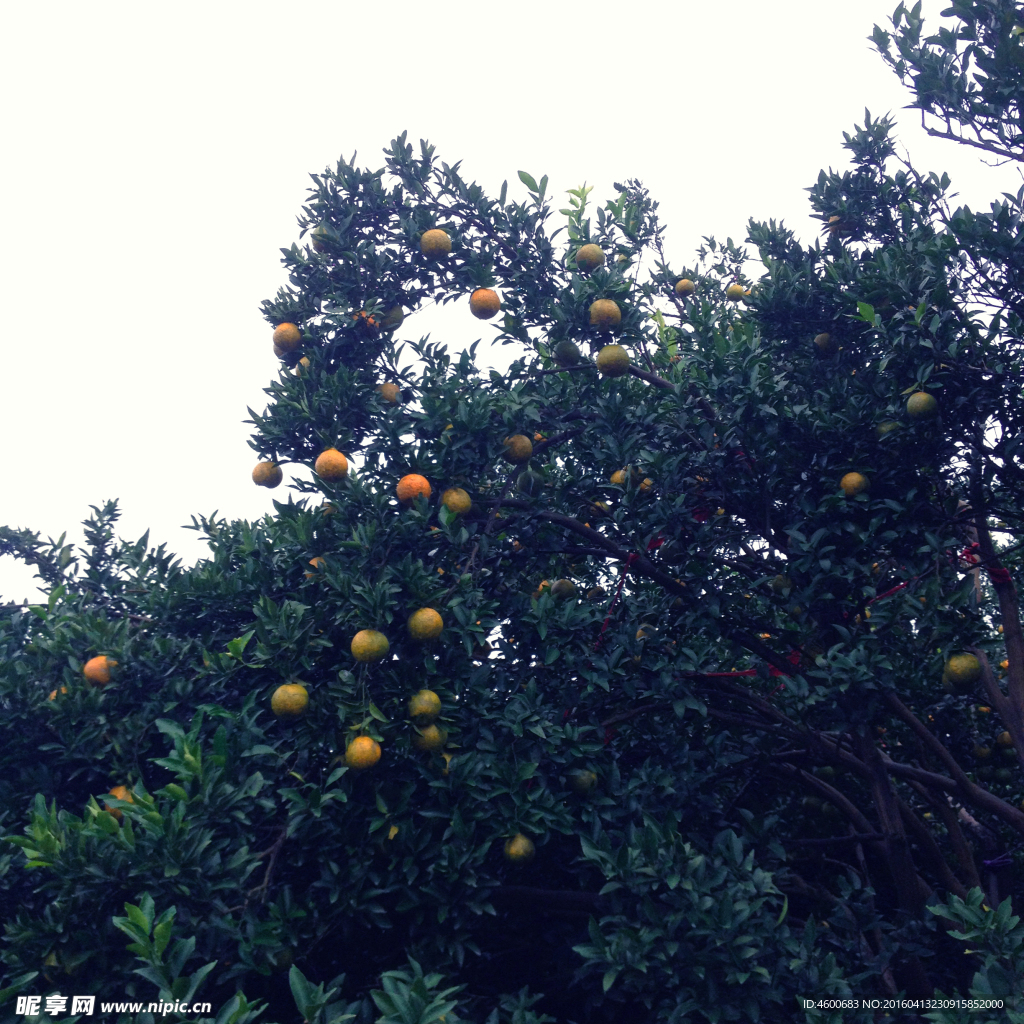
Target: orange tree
point(713, 592)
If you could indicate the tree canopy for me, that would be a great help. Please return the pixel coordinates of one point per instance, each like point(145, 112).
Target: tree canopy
point(724, 657)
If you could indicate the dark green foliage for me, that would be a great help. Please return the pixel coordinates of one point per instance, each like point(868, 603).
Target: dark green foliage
point(788, 802)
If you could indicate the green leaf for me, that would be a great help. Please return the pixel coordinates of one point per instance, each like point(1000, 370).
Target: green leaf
point(528, 180)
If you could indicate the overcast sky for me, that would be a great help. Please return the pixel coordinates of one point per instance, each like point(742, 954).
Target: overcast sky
point(157, 155)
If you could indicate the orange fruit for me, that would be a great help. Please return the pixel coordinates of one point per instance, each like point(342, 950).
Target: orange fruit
point(734, 292)
point(319, 237)
point(567, 353)
point(833, 224)
point(369, 645)
point(393, 318)
point(1004, 739)
point(484, 303)
point(962, 670)
point(411, 487)
point(518, 449)
point(97, 670)
point(267, 474)
point(854, 484)
point(922, 406)
point(290, 700)
point(301, 366)
point(366, 323)
point(605, 314)
point(435, 242)
point(456, 500)
point(119, 793)
point(684, 287)
point(563, 590)
point(529, 483)
point(430, 737)
point(589, 258)
point(425, 624)
point(824, 343)
point(331, 465)
point(318, 563)
point(362, 752)
point(287, 337)
point(390, 392)
point(424, 707)
point(646, 484)
point(519, 849)
point(613, 361)
point(53, 693)
point(582, 782)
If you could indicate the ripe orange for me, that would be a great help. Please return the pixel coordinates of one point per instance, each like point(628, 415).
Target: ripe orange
point(563, 590)
point(366, 323)
point(331, 465)
point(590, 257)
point(369, 645)
point(684, 287)
point(362, 752)
point(267, 474)
point(287, 337)
point(833, 224)
point(854, 484)
point(825, 343)
point(613, 361)
point(518, 449)
point(97, 670)
point(1004, 739)
point(119, 793)
point(301, 366)
point(456, 500)
point(53, 693)
point(290, 700)
point(389, 392)
point(605, 314)
point(484, 303)
point(962, 671)
point(519, 849)
point(411, 487)
point(430, 737)
point(424, 707)
point(922, 406)
point(425, 624)
point(734, 292)
point(886, 427)
point(318, 563)
point(435, 242)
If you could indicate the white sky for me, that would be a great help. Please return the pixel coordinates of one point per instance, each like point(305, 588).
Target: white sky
point(156, 157)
